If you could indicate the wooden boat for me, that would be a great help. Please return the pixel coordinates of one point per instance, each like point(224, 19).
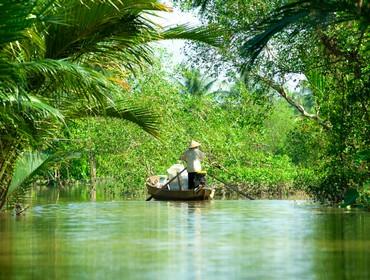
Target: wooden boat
point(156, 191)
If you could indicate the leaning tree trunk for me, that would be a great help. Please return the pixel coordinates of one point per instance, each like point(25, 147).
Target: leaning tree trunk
point(8, 156)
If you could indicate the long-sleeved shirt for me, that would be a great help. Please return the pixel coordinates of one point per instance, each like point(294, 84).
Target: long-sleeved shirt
point(193, 158)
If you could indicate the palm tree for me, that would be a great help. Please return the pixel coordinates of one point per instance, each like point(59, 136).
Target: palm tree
point(66, 59)
point(340, 53)
point(306, 15)
point(300, 16)
point(195, 84)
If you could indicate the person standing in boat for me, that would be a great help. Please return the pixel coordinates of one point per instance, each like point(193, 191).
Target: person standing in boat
point(193, 157)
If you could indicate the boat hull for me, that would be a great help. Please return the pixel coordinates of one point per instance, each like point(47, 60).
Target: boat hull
point(165, 194)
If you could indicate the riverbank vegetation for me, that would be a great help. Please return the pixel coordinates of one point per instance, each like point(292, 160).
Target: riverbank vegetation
point(66, 60)
point(239, 133)
point(65, 92)
point(328, 43)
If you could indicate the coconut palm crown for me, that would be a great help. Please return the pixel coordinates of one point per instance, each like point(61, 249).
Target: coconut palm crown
point(61, 60)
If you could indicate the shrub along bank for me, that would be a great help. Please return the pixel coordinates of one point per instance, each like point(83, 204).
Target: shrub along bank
point(245, 139)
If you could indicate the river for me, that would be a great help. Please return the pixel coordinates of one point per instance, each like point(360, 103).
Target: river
point(221, 239)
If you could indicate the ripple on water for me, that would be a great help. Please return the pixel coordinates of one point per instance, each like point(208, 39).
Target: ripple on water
point(197, 240)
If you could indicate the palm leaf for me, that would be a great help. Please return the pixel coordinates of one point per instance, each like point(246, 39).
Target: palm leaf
point(81, 83)
point(195, 84)
point(317, 83)
point(29, 103)
point(56, 79)
point(14, 19)
point(31, 120)
point(303, 15)
point(93, 22)
point(212, 35)
point(102, 31)
point(145, 118)
point(33, 163)
point(51, 77)
point(25, 168)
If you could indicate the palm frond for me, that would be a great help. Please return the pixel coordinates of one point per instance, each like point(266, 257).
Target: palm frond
point(15, 18)
point(29, 118)
point(144, 117)
point(303, 15)
point(93, 22)
point(10, 80)
point(196, 84)
point(25, 168)
point(317, 83)
point(132, 50)
point(212, 35)
point(29, 104)
point(53, 77)
point(56, 79)
point(30, 164)
point(102, 31)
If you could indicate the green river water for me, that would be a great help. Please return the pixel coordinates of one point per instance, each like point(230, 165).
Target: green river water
point(221, 239)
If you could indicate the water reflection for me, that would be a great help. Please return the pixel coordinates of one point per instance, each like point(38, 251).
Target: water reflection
point(195, 240)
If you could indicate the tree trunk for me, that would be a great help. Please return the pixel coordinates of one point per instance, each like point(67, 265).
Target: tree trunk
point(7, 163)
point(92, 162)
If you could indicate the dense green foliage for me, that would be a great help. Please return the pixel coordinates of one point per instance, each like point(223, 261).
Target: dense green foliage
point(326, 41)
point(239, 133)
point(62, 60)
point(67, 79)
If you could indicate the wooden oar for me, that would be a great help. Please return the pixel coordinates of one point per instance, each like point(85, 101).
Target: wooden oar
point(165, 185)
point(230, 187)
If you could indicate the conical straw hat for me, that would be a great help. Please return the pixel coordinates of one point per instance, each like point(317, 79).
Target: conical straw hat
point(194, 144)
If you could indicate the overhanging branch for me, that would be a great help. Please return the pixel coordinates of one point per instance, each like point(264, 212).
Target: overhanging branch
point(283, 93)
